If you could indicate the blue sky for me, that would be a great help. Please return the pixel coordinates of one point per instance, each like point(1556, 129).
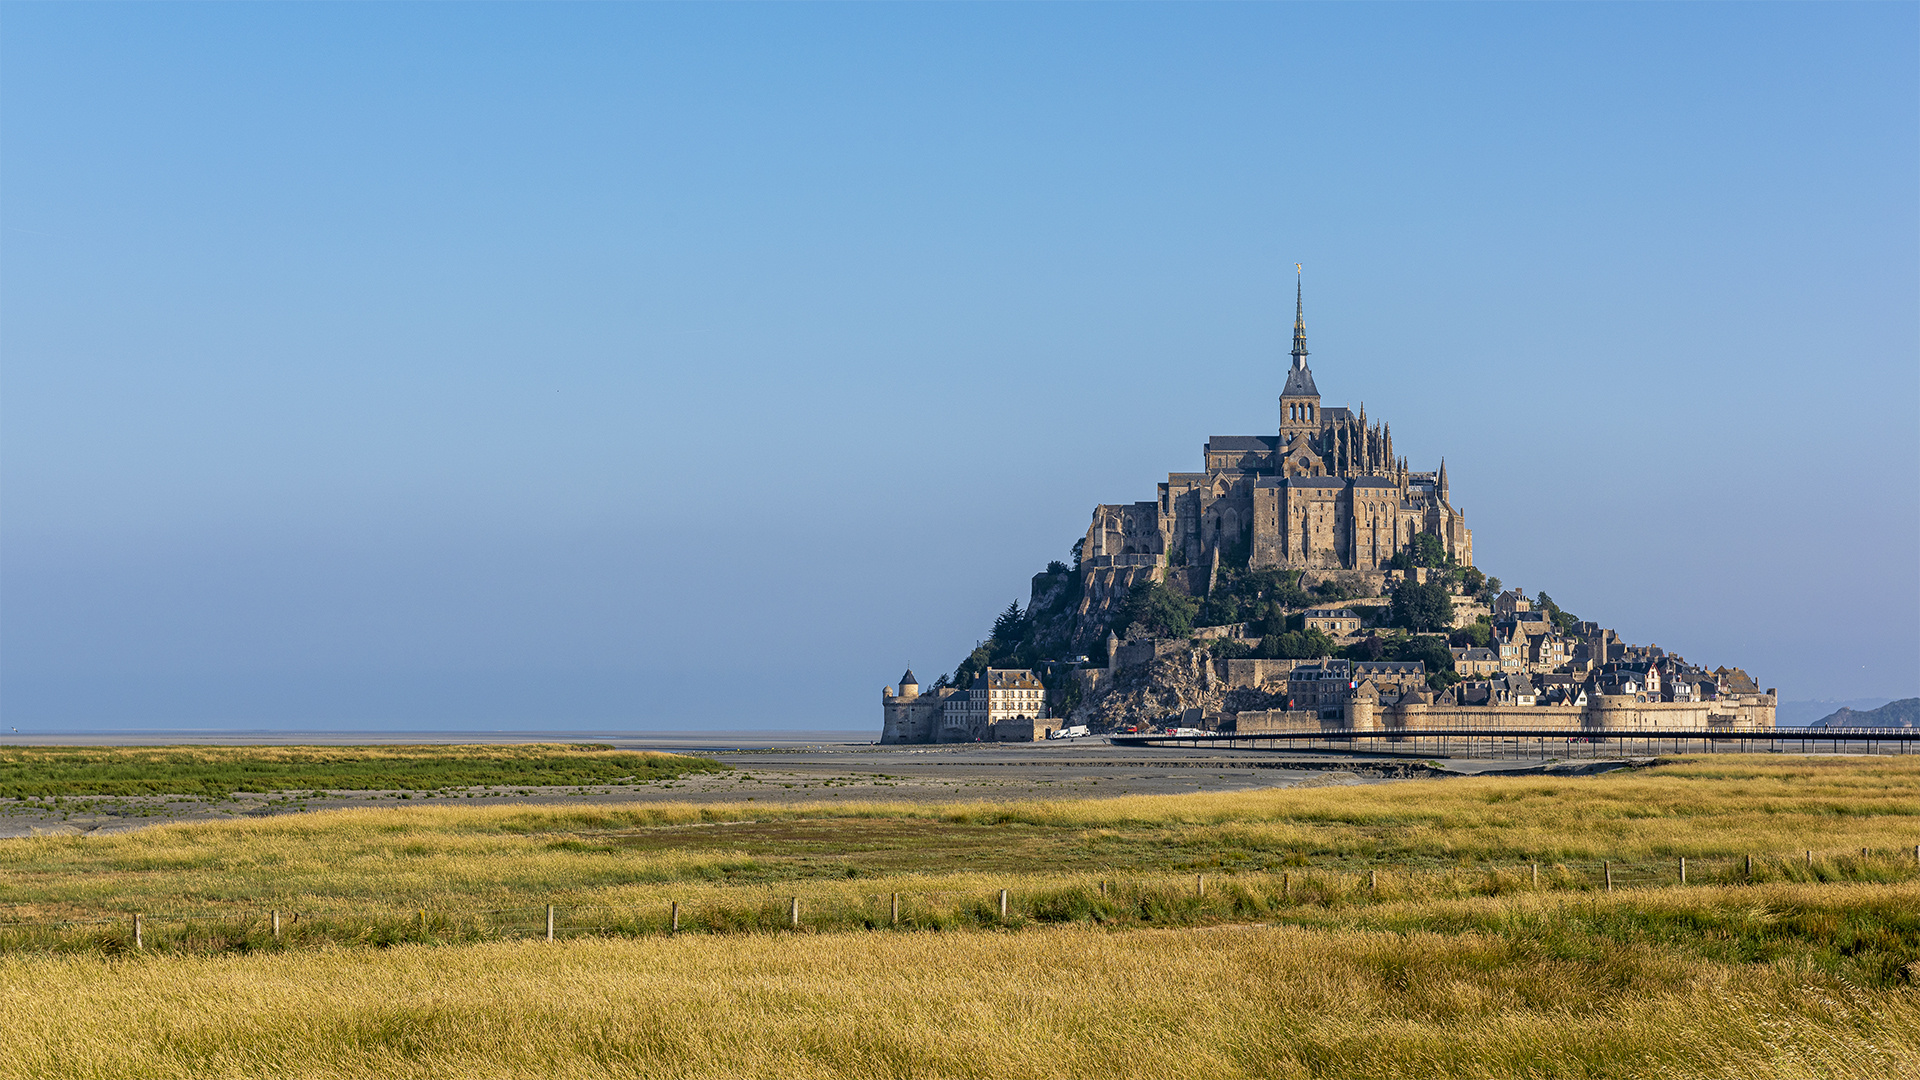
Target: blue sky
point(702, 366)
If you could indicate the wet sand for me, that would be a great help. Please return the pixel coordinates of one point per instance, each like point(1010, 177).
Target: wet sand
point(792, 772)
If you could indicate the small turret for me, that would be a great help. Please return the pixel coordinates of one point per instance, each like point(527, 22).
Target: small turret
point(909, 686)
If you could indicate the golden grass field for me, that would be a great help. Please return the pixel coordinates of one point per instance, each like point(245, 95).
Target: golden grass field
point(1387, 930)
point(1057, 1002)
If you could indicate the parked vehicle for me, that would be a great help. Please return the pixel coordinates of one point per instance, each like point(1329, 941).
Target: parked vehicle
point(1078, 731)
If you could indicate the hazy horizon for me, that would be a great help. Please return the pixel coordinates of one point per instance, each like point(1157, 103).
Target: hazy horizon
point(702, 367)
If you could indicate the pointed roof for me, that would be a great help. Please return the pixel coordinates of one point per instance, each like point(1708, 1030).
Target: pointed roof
point(1300, 383)
point(908, 678)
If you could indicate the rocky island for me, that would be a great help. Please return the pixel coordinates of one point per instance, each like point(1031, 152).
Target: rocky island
point(1305, 580)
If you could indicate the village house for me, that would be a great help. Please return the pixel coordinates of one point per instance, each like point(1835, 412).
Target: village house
point(1473, 661)
point(1337, 622)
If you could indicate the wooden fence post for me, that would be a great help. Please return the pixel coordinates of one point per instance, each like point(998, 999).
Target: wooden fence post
point(276, 926)
point(1003, 903)
point(896, 909)
point(1103, 885)
point(1683, 869)
point(549, 922)
point(1809, 858)
point(673, 925)
point(793, 914)
point(1607, 865)
point(1536, 875)
point(1286, 883)
point(1200, 885)
point(139, 940)
point(1373, 881)
point(1749, 867)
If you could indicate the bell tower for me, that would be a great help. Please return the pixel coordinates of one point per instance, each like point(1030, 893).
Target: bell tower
point(1299, 399)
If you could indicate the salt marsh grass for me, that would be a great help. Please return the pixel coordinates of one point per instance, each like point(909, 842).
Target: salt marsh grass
point(1061, 1002)
point(1714, 811)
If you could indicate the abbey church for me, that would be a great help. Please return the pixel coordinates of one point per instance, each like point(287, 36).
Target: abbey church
point(1326, 492)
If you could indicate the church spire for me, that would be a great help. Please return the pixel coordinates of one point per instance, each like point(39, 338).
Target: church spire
point(1299, 320)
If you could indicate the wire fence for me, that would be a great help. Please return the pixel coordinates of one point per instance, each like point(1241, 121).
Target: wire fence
point(1162, 899)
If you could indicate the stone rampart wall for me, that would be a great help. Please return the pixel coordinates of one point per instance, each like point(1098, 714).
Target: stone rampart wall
point(1607, 713)
point(1283, 720)
point(1482, 718)
point(1252, 674)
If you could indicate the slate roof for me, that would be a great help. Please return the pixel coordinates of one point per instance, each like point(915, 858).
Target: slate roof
point(1390, 667)
point(1300, 383)
point(908, 678)
point(1242, 442)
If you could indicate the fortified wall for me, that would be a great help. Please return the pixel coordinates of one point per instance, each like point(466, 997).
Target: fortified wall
point(1601, 714)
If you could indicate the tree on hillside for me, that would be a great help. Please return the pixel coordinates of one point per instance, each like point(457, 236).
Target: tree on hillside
point(1428, 551)
point(1255, 596)
point(1433, 652)
point(1230, 648)
point(1489, 589)
point(1563, 621)
point(1295, 645)
point(1422, 607)
point(1007, 627)
point(976, 662)
point(1334, 590)
point(1477, 634)
point(1164, 612)
point(1368, 648)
